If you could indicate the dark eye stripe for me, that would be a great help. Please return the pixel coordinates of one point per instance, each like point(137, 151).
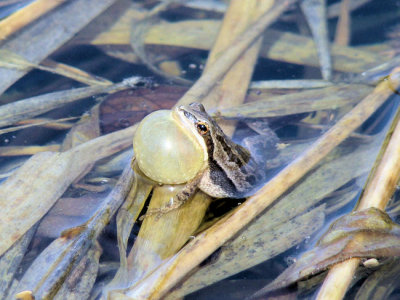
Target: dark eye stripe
point(190, 116)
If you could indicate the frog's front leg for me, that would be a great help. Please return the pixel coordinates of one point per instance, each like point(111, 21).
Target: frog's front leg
point(179, 199)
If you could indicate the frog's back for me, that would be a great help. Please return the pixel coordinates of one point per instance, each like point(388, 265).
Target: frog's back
point(233, 181)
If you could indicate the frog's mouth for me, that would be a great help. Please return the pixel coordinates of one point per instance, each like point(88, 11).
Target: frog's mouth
point(186, 120)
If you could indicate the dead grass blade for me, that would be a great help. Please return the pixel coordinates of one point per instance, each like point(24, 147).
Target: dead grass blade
point(346, 59)
point(290, 84)
point(161, 237)
point(31, 107)
point(331, 97)
point(73, 73)
point(79, 283)
point(366, 233)
point(9, 2)
point(9, 261)
point(59, 260)
point(86, 129)
point(48, 33)
point(26, 15)
point(386, 276)
point(128, 214)
point(26, 150)
point(315, 12)
point(59, 124)
point(258, 243)
point(334, 9)
point(138, 33)
point(38, 184)
point(11, 60)
point(232, 89)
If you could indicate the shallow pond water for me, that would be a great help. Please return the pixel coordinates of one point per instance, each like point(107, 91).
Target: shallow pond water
point(77, 77)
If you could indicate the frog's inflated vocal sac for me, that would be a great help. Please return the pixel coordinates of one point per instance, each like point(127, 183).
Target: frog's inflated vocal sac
point(226, 168)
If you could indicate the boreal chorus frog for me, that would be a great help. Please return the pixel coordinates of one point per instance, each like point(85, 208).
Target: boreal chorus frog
point(211, 161)
point(230, 170)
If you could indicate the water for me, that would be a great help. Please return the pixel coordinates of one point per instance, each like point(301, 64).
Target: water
point(262, 250)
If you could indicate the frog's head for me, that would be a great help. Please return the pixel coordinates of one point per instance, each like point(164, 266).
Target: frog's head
point(195, 118)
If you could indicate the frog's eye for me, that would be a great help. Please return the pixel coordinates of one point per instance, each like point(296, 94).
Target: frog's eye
point(202, 128)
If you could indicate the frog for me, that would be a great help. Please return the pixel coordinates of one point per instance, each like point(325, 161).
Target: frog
point(230, 170)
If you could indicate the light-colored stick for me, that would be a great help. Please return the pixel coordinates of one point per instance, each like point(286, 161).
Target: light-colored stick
point(377, 193)
point(26, 15)
point(343, 27)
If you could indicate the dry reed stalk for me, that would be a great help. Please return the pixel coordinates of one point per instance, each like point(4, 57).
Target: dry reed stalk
point(232, 89)
point(208, 80)
point(379, 189)
point(25, 16)
point(26, 150)
point(343, 27)
point(60, 124)
point(73, 73)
